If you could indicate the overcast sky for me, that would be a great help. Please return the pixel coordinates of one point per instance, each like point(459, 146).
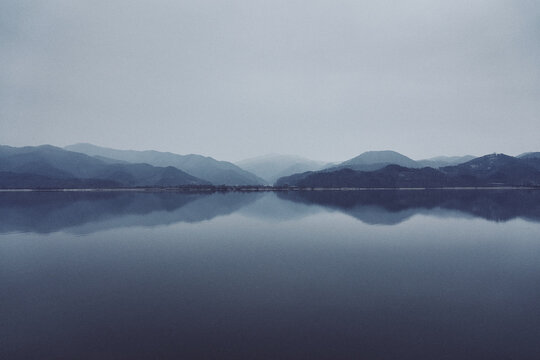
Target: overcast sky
point(235, 79)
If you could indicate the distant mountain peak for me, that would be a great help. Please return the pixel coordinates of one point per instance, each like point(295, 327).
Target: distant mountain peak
point(374, 160)
point(273, 166)
point(489, 170)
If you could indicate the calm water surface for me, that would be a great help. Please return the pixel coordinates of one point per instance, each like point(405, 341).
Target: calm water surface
point(300, 275)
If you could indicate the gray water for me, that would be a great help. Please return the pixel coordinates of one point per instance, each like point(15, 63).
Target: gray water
point(299, 275)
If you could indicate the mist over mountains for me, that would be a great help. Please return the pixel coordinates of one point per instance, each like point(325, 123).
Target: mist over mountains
point(375, 160)
point(487, 171)
point(91, 166)
point(52, 167)
point(273, 166)
point(207, 168)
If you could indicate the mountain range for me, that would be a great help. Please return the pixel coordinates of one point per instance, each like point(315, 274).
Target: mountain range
point(47, 166)
point(202, 167)
point(375, 160)
point(90, 166)
point(274, 166)
point(490, 170)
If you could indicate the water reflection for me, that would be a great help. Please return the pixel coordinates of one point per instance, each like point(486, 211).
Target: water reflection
point(394, 207)
point(282, 276)
point(87, 212)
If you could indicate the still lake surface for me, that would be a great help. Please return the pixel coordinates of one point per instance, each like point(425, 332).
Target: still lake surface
point(299, 275)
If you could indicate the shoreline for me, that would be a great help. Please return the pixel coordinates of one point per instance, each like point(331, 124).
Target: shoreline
point(261, 189)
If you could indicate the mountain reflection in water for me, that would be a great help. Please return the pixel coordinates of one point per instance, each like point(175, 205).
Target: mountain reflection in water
point(87, 212)
point(395, 206)
point(288, 275)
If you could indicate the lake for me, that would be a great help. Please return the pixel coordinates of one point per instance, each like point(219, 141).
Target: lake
point(442, 274)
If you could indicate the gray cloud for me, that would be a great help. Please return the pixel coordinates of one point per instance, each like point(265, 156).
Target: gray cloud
point(234, 79)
